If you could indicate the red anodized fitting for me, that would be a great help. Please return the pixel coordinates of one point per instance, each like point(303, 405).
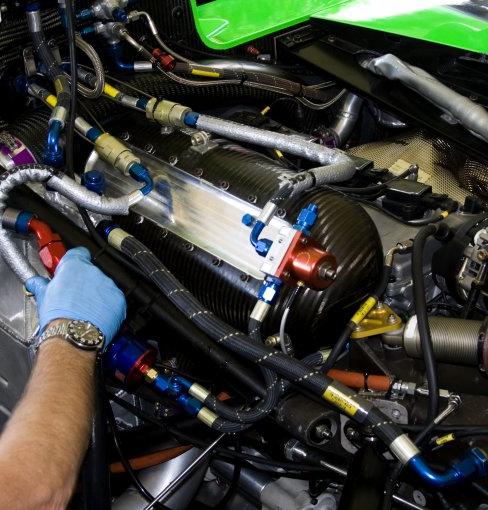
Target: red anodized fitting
point(306, 261)
point(166, 61)
point(51, 248)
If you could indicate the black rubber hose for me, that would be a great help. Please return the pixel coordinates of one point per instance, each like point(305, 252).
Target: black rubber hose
point(422, 318)
point(140, 291)
point(295, 371)
point(346, 333)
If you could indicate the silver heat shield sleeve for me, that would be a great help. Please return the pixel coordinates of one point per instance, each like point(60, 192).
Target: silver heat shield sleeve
point(469, 114)
point(88, 199)
point(9, 250)
point(290, 144)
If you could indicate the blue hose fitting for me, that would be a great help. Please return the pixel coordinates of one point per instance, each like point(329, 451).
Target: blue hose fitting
point(94, 180)
point(53, 154)
point(191, 119)
point(84, 15)
point(261, 246)
point(141, 174)
point(269, 290)
point(306, 219)
point(119, 15)
point(22, 222)
point(473, 465)
point(116, 51)
point(93, 133)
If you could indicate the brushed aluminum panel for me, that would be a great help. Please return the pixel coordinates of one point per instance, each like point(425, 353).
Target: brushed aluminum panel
point(195, 210)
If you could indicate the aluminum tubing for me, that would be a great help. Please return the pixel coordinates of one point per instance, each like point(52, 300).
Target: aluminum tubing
point(471, 115)
point(346, 118)
point(88, 199)
point(287, 143)
point(9, 251)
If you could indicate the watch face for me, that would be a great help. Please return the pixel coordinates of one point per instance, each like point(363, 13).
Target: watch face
point(85, 334)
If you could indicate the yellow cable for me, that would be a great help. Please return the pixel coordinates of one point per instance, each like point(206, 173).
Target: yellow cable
point(207, 74)
point(110, 91)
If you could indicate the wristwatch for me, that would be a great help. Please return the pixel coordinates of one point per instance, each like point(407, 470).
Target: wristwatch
point(81, 334)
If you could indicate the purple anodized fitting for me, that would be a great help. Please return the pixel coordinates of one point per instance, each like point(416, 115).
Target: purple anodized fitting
point(13, 152)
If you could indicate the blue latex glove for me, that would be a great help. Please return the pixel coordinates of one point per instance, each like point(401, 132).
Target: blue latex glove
point(79, 290)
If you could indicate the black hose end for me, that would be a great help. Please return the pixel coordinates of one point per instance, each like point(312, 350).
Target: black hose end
point(443, 231)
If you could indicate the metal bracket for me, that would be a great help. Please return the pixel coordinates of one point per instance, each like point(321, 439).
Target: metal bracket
point(381, 319)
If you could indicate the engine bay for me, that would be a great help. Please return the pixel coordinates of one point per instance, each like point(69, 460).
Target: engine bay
point(299, 224)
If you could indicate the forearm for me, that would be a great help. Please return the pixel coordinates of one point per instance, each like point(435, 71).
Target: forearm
point(44, 442)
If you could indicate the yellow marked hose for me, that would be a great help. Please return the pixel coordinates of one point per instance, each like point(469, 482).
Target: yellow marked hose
point(110, 91)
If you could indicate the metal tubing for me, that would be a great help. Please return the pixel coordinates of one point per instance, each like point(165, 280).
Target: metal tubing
point(471, 115)
point(290, 144)
point(182, 477)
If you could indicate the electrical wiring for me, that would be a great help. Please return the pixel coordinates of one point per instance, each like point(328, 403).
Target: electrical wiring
point(287, 348)
point(127, 466)
point(224, 453)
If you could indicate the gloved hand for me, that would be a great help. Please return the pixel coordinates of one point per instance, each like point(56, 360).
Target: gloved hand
point(79, 290)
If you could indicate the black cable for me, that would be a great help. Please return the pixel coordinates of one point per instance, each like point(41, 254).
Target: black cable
point(186, 439)
point(234, 481)
point(375, 188)
point(346, 333)
point(127, 466)
point(70, 129)
point(420, 302)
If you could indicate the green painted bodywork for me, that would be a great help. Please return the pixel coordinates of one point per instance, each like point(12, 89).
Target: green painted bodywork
point(223, 24)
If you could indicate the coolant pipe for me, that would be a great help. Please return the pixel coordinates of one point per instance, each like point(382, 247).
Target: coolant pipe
point(346, 119)
point(469, 114)
point(291, 144)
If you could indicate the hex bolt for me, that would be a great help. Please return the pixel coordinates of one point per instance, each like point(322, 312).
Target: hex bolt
point(396, 414)
point(252, 198)
point(391, 319)
point(149, 148)
point(327, 272)
point(189, 247)
point(173, 160)
point(124, 136)
point(216, 262)
point(272, 341)
point(322, 431)
point(224, 185)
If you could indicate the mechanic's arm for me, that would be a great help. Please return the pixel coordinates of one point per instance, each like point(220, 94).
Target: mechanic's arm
point(44, 442)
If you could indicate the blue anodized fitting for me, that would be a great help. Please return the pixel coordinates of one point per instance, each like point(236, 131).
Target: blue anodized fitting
point(473, 465)
point(53, 154)
point(269, 290)
point(94, 180)
point(306, 219)
point(263, 245)
point(141, 174)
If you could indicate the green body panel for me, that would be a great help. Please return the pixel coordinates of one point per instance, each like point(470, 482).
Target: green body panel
point(223, 24)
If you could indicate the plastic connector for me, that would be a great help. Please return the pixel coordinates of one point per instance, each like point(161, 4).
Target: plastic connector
point(306, 219)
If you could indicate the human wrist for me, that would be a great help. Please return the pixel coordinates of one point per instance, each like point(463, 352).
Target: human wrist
point(51, 335)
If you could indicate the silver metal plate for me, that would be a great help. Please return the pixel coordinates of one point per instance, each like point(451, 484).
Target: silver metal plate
point(194, 210)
